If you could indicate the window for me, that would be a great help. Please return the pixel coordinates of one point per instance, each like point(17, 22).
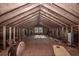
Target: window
point(38, 29)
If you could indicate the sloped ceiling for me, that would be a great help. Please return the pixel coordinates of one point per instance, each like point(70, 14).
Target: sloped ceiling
point(49, 14)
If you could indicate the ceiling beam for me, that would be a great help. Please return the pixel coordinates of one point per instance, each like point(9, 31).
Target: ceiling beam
point(48, 23)
point(24, 18)
point(67, 10)
point(30, 16)
point(21, 16)
point(32, 24)
point(53, 19)
point(45, 25)
point(56, 11)
point(14, 13)
point(27, 20)
point(14, 9)
point(45, 18)
point(58, 18)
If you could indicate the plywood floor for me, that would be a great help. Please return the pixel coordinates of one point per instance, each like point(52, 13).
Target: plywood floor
point(42, 46)
point(38, 47)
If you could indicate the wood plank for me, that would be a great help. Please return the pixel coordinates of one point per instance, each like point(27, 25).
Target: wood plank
point(10, 36)
point(4, 37)
point(14, 34)
point(60, 51)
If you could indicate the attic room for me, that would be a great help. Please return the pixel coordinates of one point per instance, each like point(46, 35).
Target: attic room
point(34, 29)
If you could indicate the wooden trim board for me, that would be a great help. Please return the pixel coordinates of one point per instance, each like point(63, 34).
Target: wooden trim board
point(60, 51)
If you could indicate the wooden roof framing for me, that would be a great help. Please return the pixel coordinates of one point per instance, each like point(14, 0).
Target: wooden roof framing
point(50, 14)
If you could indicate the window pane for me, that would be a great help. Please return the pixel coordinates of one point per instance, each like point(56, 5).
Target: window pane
point(36, 29)
point(40, 30)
